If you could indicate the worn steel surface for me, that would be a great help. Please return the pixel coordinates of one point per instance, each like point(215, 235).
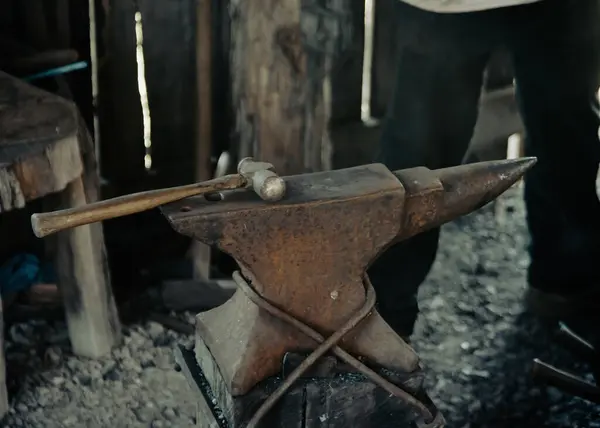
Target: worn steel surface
point(309, 253)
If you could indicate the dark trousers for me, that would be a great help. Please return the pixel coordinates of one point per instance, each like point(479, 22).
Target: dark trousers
point(554, 46)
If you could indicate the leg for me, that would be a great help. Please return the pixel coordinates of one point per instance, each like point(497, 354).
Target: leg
point(82, 268)
point(84, 283)
point(429, 123)
point(557, 67)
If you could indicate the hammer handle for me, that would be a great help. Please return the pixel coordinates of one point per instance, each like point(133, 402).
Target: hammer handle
point(44, 224)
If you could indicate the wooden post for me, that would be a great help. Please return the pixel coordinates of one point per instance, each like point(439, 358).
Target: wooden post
point(281, 59)
point(82, 268)
point(201, 253)
point(84, 283)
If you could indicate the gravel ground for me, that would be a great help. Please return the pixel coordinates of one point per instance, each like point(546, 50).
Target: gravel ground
point(473, 336)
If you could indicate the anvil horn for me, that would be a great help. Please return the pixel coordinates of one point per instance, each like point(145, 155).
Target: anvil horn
point(449, 193)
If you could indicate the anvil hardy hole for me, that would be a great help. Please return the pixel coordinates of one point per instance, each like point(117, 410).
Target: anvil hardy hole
point(185, 209)
point(214, 197)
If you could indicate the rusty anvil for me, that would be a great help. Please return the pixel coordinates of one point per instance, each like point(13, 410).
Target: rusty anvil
point(307, 256)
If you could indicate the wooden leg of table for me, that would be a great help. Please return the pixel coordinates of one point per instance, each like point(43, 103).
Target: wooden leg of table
point(84, 281)
point(4, 407)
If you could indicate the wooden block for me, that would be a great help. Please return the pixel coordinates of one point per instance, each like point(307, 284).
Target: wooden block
point(334, 401)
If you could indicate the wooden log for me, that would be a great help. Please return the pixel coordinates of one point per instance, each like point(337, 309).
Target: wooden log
point(326, 397)
point(281, 62)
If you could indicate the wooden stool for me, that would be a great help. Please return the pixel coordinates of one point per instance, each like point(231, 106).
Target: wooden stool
point(45, 149)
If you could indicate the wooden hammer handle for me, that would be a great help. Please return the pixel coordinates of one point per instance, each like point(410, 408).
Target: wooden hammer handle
point(44, 224)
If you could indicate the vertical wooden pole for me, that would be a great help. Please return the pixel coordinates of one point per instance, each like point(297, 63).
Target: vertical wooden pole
point(281, 58)
point(94, 79)
point(84, 283)
point(201, 253)
point(83, 273)
point(204, 79)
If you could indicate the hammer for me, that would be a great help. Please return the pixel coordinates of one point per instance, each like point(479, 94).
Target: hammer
point(260, 176)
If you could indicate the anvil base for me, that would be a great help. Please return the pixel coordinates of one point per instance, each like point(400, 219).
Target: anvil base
point(328, 397)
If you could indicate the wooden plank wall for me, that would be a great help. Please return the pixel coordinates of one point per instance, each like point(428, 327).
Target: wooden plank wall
point(170, 74)
point(120, 112)
point(169, 53)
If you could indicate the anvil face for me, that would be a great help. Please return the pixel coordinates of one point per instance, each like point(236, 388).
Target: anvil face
point(309, 253)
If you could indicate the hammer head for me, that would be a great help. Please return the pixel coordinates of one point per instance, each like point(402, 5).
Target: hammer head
point(262, 178)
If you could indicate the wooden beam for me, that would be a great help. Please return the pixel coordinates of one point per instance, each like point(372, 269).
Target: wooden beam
point(82, 268)
point(85, 285)
point(281, 67)
point(201, 253)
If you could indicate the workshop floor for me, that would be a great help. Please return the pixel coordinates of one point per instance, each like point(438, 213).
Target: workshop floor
point(473, 336)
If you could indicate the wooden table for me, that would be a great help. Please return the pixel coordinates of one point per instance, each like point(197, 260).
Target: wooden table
point(46, 151)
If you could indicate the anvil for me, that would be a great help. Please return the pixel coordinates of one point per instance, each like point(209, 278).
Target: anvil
point(308, 255)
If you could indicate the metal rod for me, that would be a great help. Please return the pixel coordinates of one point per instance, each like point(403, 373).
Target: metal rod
point(418, 406)
point(565, 381)
point(576, 344)
point(57, 71)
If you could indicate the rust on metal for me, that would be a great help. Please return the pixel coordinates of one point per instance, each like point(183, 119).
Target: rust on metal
point(330, 344)
point(309, 253)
